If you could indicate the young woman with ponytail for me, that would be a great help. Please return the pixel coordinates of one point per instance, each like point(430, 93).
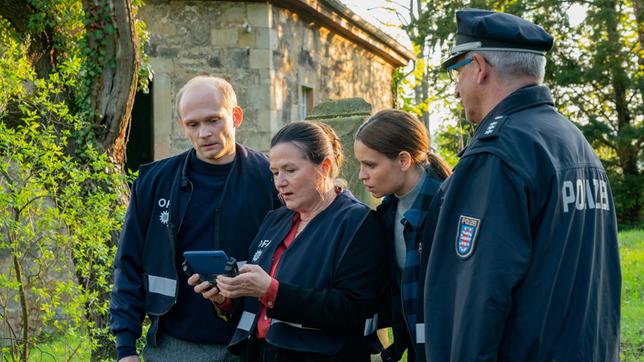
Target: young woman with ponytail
point(396, 163)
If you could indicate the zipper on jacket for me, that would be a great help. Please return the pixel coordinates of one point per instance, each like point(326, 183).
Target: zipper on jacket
point(217, 246)
point(176, 240)
point(402, 301)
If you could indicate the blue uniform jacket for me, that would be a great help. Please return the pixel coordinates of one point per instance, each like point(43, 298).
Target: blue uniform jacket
point(329, 279)
point(524, 263)
point(145, 276)
point(402, 307)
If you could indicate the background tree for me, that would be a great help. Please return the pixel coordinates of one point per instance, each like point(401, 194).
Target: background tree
point(69, 73)
point(595, 72)
point(597, 79)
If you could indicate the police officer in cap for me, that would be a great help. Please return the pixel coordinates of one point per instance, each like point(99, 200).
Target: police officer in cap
point(524, 262)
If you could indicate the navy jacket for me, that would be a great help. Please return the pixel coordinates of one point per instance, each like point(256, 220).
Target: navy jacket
point(329, 278)
point(402, 306)
point(145, 278)
point(524, 263)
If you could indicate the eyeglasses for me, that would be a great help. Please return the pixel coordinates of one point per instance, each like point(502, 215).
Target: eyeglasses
point(453, 69)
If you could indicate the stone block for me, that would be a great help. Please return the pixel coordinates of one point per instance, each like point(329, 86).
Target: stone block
point(266, 76)
point(345, 116)
point(278, 93)
point(233, 13)
point(214, 61)
point(163, 28)
point(262, 120)
point(260, 58)
point(276, 121)
point(295, 113)
point(259, 97)
point(179, 143)
point(223, 37)
point(163, 114)
point(273, 39)
point(259, 14)
point(262, 38)
point(199, 33)
point(162, 65)
point(167, 52)
point(258, 140)
point(340, 108)
point(248, 40)
point(234, 58)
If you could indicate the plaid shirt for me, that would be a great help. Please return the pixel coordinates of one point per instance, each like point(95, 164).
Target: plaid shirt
point(406, 291)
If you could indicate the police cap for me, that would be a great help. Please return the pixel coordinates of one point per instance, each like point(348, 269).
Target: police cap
point(478, 29)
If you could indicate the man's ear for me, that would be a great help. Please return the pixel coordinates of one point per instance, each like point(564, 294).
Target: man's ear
point(483, 68)
point(238, 116)
point(181, 125)
point(405, 161)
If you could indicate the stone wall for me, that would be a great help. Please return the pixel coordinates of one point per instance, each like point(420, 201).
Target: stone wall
point(266, 52)
point(333, 67)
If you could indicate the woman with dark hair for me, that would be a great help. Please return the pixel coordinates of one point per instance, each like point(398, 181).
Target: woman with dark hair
point(316, 266)
point(393, 149)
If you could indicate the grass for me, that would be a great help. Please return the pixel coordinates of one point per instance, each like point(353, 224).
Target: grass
point(631, 245)
point(62, 348)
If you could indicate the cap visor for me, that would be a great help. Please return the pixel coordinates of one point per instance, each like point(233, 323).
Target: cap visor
point(451, 60)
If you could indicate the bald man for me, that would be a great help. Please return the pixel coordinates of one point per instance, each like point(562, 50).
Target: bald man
point(211, 197)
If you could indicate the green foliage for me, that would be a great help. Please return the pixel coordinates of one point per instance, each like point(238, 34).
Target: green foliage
point(62, 199)
point(632, 261)
point(599, 85)
point(452, 138)
point(55, 220)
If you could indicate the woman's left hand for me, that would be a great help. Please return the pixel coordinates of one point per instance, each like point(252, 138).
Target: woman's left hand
point(252, 281)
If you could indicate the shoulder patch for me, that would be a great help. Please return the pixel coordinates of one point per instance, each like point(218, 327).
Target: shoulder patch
point(493, 128)
point(468, 228)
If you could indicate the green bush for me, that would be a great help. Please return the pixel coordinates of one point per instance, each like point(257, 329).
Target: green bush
point(58, 217)
point(632, 261)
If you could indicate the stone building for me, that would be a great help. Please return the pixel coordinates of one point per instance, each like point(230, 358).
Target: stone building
point(281, 56)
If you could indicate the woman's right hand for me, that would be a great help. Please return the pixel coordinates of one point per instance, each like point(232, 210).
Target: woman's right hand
point(206, 289)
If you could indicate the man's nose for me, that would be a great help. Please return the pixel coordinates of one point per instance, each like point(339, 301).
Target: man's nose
point(204, 132)
point(457, 92)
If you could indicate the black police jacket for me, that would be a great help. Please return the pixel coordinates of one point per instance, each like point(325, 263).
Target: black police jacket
point(145, 276)
point(524, 262)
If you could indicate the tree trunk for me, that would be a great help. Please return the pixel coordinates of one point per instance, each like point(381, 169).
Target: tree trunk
point(112, 97)
point(112, 94)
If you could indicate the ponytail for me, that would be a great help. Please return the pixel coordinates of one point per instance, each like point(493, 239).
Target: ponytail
point(439, 165)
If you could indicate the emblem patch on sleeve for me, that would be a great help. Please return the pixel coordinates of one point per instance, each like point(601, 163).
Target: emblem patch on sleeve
point(468, 228)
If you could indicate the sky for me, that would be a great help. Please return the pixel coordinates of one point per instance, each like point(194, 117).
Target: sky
point(380, 14)
point(376, 12)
